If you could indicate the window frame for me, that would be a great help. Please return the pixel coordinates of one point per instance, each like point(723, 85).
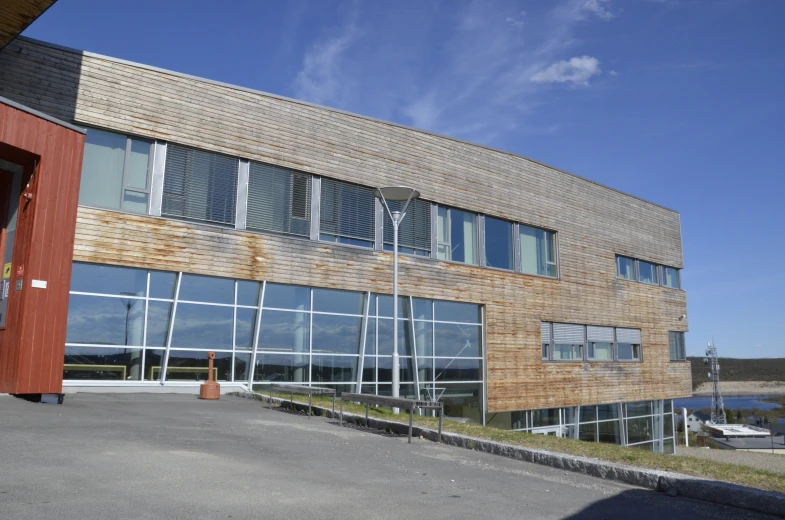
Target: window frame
point(518, 261)
point(478, 238)
point(548, 345)
point(682, 345)
point(659, 272)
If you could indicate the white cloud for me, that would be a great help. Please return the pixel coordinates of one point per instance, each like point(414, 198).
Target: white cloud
point(599, 8)
point(577, 70)
point(516, 21)
point(613, 73)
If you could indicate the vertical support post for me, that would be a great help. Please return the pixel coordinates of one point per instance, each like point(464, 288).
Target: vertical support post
point(622, 425)
point(333, 403)
point(157, 182)
point(165, 363)
point(686, 431)
point(316, 197)
point(366, 414)
point(255, 342)
point(363, 336)
point(340, 422)
point(412, 335)
point(411, 420)
point(310, 401)
point(441, 418)
point(396, 363)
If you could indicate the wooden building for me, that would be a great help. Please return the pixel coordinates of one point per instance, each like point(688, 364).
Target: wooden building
point(576, 285)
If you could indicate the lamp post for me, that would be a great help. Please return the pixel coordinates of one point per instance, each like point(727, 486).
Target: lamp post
point(128, 304)
point(405, 196)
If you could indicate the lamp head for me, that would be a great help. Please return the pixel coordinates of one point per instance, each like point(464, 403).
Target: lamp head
point(396, 193)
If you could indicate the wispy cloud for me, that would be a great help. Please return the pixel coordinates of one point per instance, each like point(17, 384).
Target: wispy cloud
point(577, 71)
point(599, 8)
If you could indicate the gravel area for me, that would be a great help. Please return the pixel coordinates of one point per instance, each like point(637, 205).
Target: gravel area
point(764, 461)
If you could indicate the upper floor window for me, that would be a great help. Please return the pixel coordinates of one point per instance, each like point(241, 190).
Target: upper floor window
point(625, 268)
point(456, 235)
point(538, 251)
point(116, 172)
point(498, 243)
point(569, 342)
point(199, 185)
point(647, 272)
point(347, 213)
point(628, 344)
point(414, 232)
point(676, 344)
point(670, 277)
point(279, 200)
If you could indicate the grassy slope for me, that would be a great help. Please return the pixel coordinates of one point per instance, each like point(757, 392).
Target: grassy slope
point(732, 369)
point(732, 473)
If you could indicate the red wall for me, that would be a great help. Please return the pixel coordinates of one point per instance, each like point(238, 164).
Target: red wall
point(33, 341)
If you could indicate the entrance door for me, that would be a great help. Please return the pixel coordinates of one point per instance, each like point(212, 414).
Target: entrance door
point(10, 184)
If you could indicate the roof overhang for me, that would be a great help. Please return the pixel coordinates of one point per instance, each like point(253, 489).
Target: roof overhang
point(16, 15)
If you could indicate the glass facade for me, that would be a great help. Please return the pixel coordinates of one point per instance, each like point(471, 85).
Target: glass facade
point(128, 324)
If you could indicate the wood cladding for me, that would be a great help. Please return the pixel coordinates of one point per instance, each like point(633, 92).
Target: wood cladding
point(593, 223)
point(16, 15)
point(33, 341)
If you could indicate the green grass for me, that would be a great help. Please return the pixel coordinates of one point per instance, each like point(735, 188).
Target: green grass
point(732, 473)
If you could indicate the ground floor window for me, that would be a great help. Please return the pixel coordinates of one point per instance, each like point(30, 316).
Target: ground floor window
point(136, 325)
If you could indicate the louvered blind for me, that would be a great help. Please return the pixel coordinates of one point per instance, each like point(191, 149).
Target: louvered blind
point(279, 200)
point(347, 211)
point(545, 332)
point(199, 185)
point(415, 230)
point(567, 333)
point(676, 341)
point(599, 334)
point(628, 336)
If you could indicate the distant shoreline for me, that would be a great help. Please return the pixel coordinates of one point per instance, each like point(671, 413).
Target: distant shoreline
point(742, 388)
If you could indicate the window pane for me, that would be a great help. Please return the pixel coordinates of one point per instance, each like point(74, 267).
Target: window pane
point(285, 331)
point(538, 251)
point(625, 268)
point(369, 369)
point(138, 164)
point(443, 233)
point(423, 338)
point(386, 306)
point(341, 302)
point(547, 417)
point(545, 351)
point(158, 315)
point(457, 312)
point(607, 411)
point(106, 279)
point(463, 237)
point(241, 363)
point(600, 351)
point(671, 277)
point(197, 288)
point(347, 213)
point(279, 200)
point(667, 424)
point(647, 273)
point(244, 328)
point(458, 369)
point(588, 413)
point(202, 327)
point(199, 185)
point(498, 243)
point(336, 334)
point(333, 369)
point(385, 338)
point(385, 369)
point(639, 430)
point(162, 284)
point(105, 364)
point(281, 368)
point(102, 169)
point(423, 309)
point(193, 366)
point(152, 365)
point(462, 400)
point(105, 321)
point(639, 408)
point(135, 201)
point(588, 432)
point(628, 351)
point(287, 297)
point(608, 432)
point(414, 232)
point(566, 351)
point(457, 340)
point(667, 447)
point(248, 293)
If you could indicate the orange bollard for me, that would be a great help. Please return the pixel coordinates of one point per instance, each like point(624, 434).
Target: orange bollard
point(210, 389)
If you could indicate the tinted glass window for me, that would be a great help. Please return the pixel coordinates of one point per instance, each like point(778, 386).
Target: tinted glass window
point(105, 321)
point(106, 279)
point(671, 277)
point(162, 284)
point(457, 235)
point(336, 334)
point(458, 312)
point(538, 251)
point(198, 288)
point(158, 316)
point(498, 243)
point(292, 297)
point(285, 331)
point(453, 340)
point(202, 327)
point(625, 268)
point(102, 169)
point(248, 293)
point(341, 302)
point(648, 273)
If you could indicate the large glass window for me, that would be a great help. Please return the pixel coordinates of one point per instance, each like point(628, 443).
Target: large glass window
point(414, 232)
point(676, 344)
point(347, 213)
point(456, 235)
point(199, 185)
point(279, 200)
point(498, 243)
point(671, 277)
point(538, 251)
point(648, 273)
point(115, 172)
point(625, 268)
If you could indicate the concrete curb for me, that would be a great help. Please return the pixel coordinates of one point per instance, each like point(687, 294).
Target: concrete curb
point(671, 483)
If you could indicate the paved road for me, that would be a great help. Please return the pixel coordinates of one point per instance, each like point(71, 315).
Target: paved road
point(143, 456)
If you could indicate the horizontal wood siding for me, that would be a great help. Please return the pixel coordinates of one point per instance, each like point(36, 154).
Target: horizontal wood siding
point(594, 223)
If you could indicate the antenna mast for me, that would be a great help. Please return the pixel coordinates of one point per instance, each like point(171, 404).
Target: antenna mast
point(717, 406)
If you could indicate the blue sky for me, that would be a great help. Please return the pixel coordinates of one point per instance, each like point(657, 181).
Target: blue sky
point(681, 102)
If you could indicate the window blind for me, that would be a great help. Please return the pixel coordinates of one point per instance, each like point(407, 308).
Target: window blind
point(347, 211)
point(545, 332)
point(599, 334)
point(567, 333)
point(279, 200)
point(628, 336)
point(676, 341)
point(199, 185)
point(415, 230)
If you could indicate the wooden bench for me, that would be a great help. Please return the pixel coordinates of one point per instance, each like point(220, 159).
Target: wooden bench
point(395, 402)
point(97, 368)
point(302, 390)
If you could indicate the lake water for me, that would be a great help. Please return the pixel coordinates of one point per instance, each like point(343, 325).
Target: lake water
point(747, 402)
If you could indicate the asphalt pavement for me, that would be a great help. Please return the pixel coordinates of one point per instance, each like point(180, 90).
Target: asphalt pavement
point(154, 456)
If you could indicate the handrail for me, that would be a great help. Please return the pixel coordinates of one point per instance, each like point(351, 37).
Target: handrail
point(394, 402)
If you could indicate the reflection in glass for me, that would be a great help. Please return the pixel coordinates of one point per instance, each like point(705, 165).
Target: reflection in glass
point(386, 306)
point(600, 351)
point(102, 169)
point(667, 424)
point(458, 369)
point(152, 364)
point(285, 331)
point(294, 297)
point(248, 293)
point(105, 364)
point(138, 163)
point(546, 417)
point(457, 340)
point(668, 447)
point(588, 432)
point(384, 364)
point(625, 268)
point(186, 365)
point(330, 369)
point(162, 284)
point(498, 243)
point(336, 334)
point(283, 368)
point(457, 311)
point(385, 337)
point(647, 273)
point(463, 400)
point(607, 411)
point(241, 363)
point(423, 336)
point(198, 288)
point(671, 277)
point(105, 321)
point(158, 315)
point(106, 279)
point(567, 351)
point(588, 413)
point(639, 429)
point(423, 309)
point(608, 432)
point(628, 351)
point(341, 302)
point(244, 328)
point(425, 369)
point(369, 369)
point(538, 251)
point(134, 201)
point(202, 327)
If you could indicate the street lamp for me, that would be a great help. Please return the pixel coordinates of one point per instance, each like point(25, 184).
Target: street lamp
point(128, 304)
point(405, 196)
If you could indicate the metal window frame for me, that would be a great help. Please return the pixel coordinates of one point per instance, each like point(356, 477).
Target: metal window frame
point(241, 204)
point(157, 182)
